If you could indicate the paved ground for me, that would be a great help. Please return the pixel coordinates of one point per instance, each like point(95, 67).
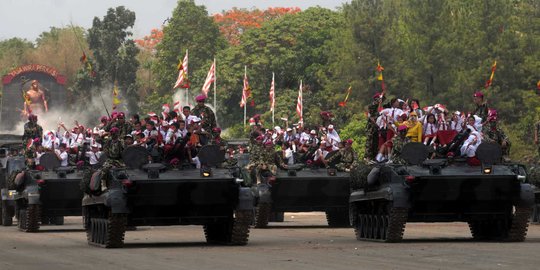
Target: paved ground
point(301, 242)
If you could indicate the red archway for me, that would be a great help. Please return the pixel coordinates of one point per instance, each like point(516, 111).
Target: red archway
point(60, 79)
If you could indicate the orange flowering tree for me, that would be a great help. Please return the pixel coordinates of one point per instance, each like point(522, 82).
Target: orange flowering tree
point(233, 23)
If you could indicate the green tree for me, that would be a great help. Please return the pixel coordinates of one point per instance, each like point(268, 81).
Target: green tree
point(190, 28)
point(115, 53)
point(293, 47)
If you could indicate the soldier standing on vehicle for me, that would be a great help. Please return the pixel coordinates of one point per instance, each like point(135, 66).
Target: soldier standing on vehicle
point(31, 130)
point(493, 134)
point(207, 116)
point(124, 127)
point(345, 157)
point(372, 129)
point(113, 149)
point(397, 144)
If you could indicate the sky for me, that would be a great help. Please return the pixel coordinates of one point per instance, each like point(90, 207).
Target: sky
point(29, 18)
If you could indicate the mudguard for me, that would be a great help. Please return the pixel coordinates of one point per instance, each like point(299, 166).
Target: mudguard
point(395, 192)
point(116, 201)
point(526, 196)
point(265, 194)
point(400, 196)
point(245, 199)
point(32, 194)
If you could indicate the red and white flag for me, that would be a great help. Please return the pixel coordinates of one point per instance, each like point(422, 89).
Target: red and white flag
point(246, 91)
point(182, 80)
point(210, 78)
point(272, 94)
point(299, 107)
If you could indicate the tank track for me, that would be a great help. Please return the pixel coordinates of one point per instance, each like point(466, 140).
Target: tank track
point(338, 218)
point(263, 214)
point(234, 231)
point(240, 228)
point(519, 225)
point(387, 227)
point(29, 218)
point(107, 232)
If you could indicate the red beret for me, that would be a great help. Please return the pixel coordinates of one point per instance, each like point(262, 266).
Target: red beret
point(478, 94)
point(200, 98)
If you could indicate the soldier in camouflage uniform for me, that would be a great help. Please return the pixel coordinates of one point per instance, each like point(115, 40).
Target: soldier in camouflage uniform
point(397, 145)
point(372, 130)
point(113, 149)
point(30, 154)
point(261, 157)
point(346, 158)
point(207, 116)
point(481, 109)
point(217, 140)
point(31, 130)
point(124, 127)
point(493, 134)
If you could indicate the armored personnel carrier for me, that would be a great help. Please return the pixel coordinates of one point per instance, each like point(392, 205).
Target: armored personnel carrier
point(150, 194)
point(44, 197)
point(10, 161)
point(301, 189)
point(492, 198)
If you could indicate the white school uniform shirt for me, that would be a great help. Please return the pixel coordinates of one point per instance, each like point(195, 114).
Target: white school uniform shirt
point(430, 129)
point(63, 158)
point(93, 157)
point(393, 113)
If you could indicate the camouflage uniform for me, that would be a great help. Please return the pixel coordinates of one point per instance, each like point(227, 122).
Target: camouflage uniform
point(372, 133)
point(29, 156)
point(113, 149)
point(31, 131)
point(221, 142)
point(482, 111)
point(498, 136)
point(347, 159)
point(207, 116)
point(125, 128)
point(397, 146)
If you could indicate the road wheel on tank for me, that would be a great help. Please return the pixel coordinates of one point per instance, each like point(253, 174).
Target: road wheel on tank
point(519, 224)
point(397, 218)
point(263, 213)
point(240, 229)
point(107, 232)
point(29, 218)
point(7, 215)
point(338, 218)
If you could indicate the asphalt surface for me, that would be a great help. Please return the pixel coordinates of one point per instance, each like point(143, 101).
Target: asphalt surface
point(301, 242)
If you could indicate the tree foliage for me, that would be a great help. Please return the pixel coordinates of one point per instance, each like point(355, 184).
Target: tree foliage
point(233, 23)
point(190, 28)
point(115, 53)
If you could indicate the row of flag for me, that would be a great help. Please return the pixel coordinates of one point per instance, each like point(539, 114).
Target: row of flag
point(182, 81)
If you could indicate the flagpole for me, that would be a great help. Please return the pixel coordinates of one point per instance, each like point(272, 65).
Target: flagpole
point(245, 104)
point(274, 100)
point(302, 102)
point(187, 78)
point(215, 81)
